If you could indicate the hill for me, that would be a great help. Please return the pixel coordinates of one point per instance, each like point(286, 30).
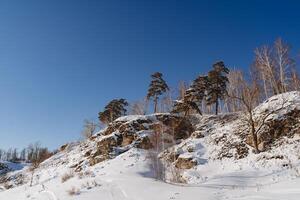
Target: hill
point(207, 157)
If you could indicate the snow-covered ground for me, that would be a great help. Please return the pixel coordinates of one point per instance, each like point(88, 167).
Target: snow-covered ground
point(127, 177)
point(220, 171)
point(10, 166)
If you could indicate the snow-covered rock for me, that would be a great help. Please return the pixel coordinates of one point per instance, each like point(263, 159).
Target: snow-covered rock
point(210, 154)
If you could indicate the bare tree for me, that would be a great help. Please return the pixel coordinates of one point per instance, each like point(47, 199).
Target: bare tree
point(153, 154)
point(265, 66)
point(283, 63)
point(38, 155)
point(23, 155)
point(274, 67)
point(32, 169)
point(89, 129)
point(162, 138)
point(182, 87)
point(14, 156)
point(295, 82)
point(166, 102)
point(247, 95)
point(9, 153)
point(138, 107)
point(234, 79)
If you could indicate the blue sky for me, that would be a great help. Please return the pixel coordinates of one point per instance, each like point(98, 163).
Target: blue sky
point(62, 60)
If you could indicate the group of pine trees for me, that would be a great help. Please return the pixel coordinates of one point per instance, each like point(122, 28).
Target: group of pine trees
point(273, 72)
point(113, 110)
point(211, 88)
point(117, 107)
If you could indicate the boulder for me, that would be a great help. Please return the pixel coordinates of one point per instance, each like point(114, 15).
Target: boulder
point(144, 143)
point(128, 138)
point(185, 163)
point(63, 147)
point(98, 159)
point(106, 145)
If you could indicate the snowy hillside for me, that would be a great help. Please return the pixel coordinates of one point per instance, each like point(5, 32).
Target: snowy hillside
point(210, 158)
point(6, 166)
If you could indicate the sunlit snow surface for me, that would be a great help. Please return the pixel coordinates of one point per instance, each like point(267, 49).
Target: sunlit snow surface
point(128, 176)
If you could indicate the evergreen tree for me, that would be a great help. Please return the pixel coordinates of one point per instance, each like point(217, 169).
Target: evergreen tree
point(156, 88)
point(217, 81)
point(193, 97)
point(113, 110)
point(198, 89)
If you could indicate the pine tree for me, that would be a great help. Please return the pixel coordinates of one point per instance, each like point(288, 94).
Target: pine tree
point(198, 89)
point(217, 81)
point(113, 110)
point(156, 88)
point(193, 97)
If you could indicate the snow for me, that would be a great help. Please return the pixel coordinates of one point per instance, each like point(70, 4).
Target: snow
point(285, 102)
point(127, 177)
point(15, 166)
point(130, 118)
point(10, 166)
point(273, 174)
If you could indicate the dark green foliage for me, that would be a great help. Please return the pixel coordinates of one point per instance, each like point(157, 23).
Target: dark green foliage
point(184, 106)
point(198, 89)
point(193, 97)
point(212, 87)
point(217, 81)
point(157, 87)
point(113, 110)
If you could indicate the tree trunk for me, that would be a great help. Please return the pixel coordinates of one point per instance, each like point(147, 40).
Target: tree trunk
point(155, 104)
point(111, 116)
point(31, 179)
point(282, 77)
point(217, 106)
point(254, 136)
point(265, 86)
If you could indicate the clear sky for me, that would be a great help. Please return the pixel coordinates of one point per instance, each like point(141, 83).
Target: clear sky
point(62, 60)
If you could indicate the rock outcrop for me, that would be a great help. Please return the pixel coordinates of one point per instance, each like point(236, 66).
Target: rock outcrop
point(136, 131)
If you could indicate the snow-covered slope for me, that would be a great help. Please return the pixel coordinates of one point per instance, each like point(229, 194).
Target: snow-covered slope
point(220, 145)
point(211, 160)
point(6, 166)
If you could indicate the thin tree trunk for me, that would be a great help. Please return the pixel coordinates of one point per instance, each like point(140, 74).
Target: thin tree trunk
point(31, 179)
point(217, 106)
point(111, 116)
point(282, 76)
point(253, 134)
point(265, 86)
point(155, 104)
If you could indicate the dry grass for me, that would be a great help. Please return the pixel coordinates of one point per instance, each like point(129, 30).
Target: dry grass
point(67, 176)
point(87, 173)
point(73, 191)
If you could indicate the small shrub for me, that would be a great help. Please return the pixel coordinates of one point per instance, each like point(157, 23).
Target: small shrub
point(67, 176)
point(175, 175)
point(73, 191)
point(87, 173)
point(89, 185)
